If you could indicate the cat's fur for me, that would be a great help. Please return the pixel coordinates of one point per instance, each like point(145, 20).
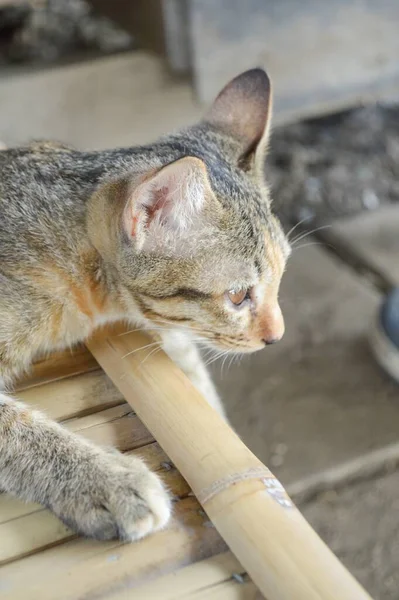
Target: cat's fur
point(155, 235)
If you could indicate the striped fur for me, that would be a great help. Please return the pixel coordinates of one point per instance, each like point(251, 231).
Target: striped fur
point(162, 236)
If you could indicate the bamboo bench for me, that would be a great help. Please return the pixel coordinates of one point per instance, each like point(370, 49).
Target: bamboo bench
point(278, 553)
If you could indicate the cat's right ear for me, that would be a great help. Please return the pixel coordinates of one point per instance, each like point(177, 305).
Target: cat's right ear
point(242, 110)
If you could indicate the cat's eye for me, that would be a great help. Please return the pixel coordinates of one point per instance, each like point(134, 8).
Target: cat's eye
point(238, 297)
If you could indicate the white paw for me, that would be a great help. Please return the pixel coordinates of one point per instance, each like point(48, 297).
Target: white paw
point(114, 497)
point(154, 506)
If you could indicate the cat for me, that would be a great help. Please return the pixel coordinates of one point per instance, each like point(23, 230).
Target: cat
point(176, 237)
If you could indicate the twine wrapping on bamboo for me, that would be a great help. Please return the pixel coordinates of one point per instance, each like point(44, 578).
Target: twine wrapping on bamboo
point(248, 506)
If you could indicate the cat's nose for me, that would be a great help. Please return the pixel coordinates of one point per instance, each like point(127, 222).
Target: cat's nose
point(269, 342)
point(272, 325)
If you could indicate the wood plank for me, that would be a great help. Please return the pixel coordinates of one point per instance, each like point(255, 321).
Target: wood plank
point(78, 570)
point(73, 396)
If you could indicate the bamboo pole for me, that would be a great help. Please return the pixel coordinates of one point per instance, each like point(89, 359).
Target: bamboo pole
point(248, 506)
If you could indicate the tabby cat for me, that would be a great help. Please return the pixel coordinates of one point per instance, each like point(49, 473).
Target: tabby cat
point(177, 237)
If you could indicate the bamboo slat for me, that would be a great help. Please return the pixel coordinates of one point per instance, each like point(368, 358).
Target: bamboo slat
point(280, 551)
point(118, 427)
point(86, 569)
point(192, 581)
point(30, 532)
point(73, 396)
point(58, 366)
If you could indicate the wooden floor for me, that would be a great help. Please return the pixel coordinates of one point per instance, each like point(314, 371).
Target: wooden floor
point(42, 559)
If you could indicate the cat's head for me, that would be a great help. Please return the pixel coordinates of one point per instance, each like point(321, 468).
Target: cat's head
point(198, 246)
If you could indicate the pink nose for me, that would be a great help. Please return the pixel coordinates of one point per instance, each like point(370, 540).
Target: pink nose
point(272, 325)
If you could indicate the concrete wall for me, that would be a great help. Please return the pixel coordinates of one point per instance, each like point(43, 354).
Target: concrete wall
point(316, 51)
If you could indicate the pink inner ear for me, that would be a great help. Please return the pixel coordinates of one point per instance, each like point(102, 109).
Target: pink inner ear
point(170, 198)
point(159, 203)
point(133, 229)
point(160, 198)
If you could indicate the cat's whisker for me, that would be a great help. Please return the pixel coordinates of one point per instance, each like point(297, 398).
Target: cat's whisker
point(235, 358)
point(156, 343)
point(291, 231)
point(215, 355)
point(132, 331)
point(307, 245)
point(314, 244)
point(145, 329)
point(151, 329)
point(141, 348)
point(207, 351)
point(226, 356)
point(176, 327)
point(189, 329)
point(305, 234)
point(154, 351)
point(219, 354)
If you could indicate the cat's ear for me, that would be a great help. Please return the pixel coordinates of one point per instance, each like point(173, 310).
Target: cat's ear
point(170, 200)
point(243, 110)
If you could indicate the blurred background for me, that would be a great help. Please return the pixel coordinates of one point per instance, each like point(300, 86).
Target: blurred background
point(316, 407)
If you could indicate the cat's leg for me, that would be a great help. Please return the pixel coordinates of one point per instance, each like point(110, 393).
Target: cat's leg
point(186, 355)
point(97, 493)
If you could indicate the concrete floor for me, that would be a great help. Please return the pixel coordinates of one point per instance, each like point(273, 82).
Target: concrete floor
point(318, 410)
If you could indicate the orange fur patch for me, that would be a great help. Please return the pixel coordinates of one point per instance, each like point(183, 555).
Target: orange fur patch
point(275, 257)
point(87, 296)
point(55, 323)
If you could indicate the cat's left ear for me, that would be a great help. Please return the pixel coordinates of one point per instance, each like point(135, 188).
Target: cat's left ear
point(243, 110)
point(169, 201)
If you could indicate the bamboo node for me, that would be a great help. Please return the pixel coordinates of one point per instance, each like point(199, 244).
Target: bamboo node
point(273, 486)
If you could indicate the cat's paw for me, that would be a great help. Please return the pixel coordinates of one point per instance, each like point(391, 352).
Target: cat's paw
point(115, 497)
